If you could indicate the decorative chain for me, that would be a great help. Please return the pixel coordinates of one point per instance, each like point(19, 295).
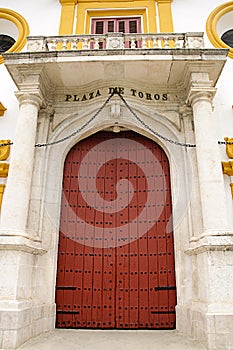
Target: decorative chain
point(153, 131)
point(115, 92)
point(79, 129)
point(225, 143)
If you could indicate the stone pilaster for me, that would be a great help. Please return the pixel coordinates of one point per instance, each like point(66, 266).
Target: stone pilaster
point(17, 194)
point(212, 191)
point(210, 315)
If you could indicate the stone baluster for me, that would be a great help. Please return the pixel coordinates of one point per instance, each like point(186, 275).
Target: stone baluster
point(64, 44)
point(85, 43)
point(132, 43)
point(17, 194)
point(74, 44)
point(144, 45)
point(96, 44)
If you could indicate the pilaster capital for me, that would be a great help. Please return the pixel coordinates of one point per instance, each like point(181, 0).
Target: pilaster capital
point(186, 111)
point(198, 94)
point(33, 98)
point(199, 88)
point(47, 111)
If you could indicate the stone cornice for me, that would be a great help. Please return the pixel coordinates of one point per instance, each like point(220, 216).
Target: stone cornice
point(31, 79)
point(16, 241)
point(211, 241)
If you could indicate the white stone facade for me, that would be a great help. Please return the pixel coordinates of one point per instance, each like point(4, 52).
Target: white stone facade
point(197, 110)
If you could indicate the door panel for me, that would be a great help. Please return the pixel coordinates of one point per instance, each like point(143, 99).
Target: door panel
point(116, 254)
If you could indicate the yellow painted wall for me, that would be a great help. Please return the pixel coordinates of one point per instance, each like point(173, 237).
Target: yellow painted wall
point(87, 9)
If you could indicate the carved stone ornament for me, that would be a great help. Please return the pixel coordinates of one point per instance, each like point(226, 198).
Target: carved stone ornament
point(229, 147)
point(195, 42)
point(115, 41)
point(35, 45)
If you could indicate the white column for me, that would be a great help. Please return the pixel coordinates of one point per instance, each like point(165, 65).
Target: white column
point(15, 206)
point(212, 191)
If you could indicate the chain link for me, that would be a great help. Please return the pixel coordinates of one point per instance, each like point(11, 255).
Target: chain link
point(6, 144)
point(79, 129)
point(115, 92)
point(151, 130)
point(225, 143)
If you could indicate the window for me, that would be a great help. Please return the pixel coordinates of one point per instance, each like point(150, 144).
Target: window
point(219, 27)
point(116, 25)
point(227, 38)
point(6, 42)
point(14, 32)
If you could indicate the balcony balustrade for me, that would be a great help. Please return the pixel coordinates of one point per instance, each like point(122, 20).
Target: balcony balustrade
point(115, 41)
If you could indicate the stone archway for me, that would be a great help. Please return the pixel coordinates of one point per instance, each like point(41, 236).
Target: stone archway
point(116, 255)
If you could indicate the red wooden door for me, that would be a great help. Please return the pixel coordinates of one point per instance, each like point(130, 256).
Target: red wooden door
point(115, 256)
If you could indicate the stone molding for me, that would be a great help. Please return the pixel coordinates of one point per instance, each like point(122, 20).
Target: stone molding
point(33, 98)
point(211, 241)
point(197, 94)
point(16, 241)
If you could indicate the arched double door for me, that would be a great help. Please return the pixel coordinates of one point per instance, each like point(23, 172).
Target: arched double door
point(116, 253)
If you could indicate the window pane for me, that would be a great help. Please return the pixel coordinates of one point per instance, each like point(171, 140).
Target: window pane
point(133, 26)
point(6, 42)
point(121, 26)
point(99, 28)
point(227, 37)
point(110, 26)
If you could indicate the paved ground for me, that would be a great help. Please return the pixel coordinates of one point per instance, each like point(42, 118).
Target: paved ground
point(111, 340)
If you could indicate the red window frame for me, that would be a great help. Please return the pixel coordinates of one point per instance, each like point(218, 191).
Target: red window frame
point(110, 25)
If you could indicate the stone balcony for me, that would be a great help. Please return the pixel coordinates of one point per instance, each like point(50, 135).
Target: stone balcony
point(114, 41)
point(158, 60)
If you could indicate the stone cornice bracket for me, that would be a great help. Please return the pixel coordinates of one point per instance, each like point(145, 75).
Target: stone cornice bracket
point(185, 111)
point(33, 80)
point(47, 111)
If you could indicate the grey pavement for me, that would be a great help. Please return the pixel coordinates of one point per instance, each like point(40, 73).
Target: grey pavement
point(69, 339)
